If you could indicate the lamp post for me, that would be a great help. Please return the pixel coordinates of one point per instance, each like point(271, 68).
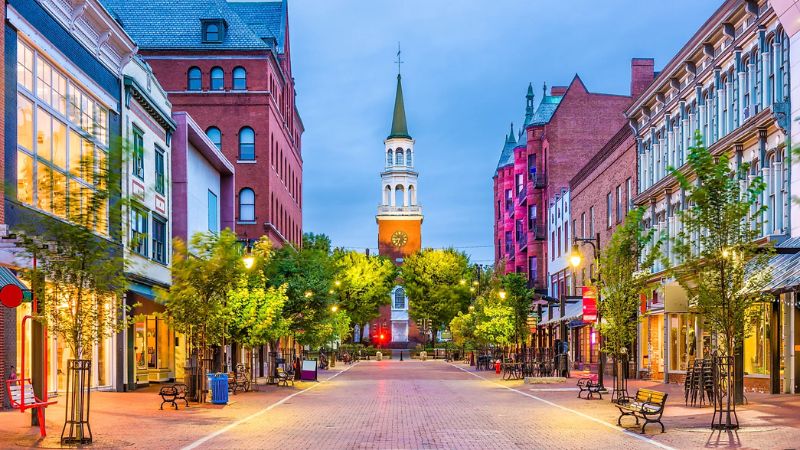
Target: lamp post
point(575, 261)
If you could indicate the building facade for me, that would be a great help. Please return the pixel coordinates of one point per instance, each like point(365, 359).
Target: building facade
point(147, 130)
point(65, 91)
point(566, 129)
point(399, 222)
point(228, 64)
point(730, 83)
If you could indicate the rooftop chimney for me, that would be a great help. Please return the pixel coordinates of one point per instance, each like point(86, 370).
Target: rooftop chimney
point(642, 75)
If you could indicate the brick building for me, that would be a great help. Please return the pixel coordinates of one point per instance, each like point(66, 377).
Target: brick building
point(228, 64)
point(559, 136)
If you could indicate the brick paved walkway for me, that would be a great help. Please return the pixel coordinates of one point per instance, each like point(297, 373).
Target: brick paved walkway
point(408, 404)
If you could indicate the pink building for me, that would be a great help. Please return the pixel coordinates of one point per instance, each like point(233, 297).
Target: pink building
point(568, 127)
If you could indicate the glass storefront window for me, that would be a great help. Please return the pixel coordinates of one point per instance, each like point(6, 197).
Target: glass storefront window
point(756, 344)
point(153, 344)
point(683, 340)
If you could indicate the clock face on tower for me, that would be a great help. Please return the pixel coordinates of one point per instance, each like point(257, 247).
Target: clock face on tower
point(399, 238)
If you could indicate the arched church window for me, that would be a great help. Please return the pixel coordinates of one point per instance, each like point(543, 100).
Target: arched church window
point(398, 157)
point(408, 158)
point(399, 299)
point(389, 157)
point(412, 195)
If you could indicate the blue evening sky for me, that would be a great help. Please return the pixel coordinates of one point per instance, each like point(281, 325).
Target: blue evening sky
point(466, 71)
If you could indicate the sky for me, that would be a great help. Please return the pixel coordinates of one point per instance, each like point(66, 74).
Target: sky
point(467, 65)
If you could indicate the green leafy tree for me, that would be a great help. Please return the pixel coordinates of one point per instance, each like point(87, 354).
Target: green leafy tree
point(308, 274)
point(495, 324)
point(721, 265)
point(436, 284)
point(202, 275)
point(518, 297)
point(362, 284)
point(625, 265)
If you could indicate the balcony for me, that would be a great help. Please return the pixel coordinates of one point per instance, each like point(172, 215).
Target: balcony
point(522, 242)
point(538, 230)
point(539, 180)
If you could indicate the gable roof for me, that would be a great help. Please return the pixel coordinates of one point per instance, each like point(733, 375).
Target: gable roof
point(176, 24)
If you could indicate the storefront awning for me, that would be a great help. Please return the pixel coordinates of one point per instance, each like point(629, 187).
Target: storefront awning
point(7, 277)
point(572, 311)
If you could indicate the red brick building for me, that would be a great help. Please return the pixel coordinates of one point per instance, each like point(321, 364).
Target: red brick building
point(565, 131)
point(228, 64)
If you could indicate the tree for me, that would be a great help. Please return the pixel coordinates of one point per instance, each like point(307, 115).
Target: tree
point(362, 284)
point(202, 275)
point(625, 266)
point(435, 282)
point(463, 328)
point(308, 275)
point(518, 297)
point(77, 266)
point(495, 324)
point(721, 266)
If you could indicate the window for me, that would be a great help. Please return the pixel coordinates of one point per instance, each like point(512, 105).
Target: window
point(213, 31)
point(215, 135)
point(509, 200)
point(239, 79)
point(159, 240)
point(61, 142)
point(217, 79)
point(591, 221)
point(583, 224)
point(160, 172)
point(398, 157)
point(247, 144)
point(247, 205)
point(399, 299)
point(532, 269)
point(629, 191)
point(195, 82)
point(213, 216)
point(137, 159)
point(619, 203)
point(566, 236)
point(139, 231)
point(558, 242)
point(389, 157)
point(408, 158)
point(608, 210)
point(520, 182)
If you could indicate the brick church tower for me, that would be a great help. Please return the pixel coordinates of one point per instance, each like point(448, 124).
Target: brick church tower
point(399, 221)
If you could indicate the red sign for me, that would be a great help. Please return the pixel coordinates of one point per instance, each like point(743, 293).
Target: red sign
point(643, 303)
point(589, 304)
point(11, 295)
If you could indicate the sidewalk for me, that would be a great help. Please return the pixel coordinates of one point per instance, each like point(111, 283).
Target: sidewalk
point(133, 419)
point(767, 421)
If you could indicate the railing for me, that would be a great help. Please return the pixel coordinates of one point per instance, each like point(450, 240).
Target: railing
point(522, 195)
point(400, 210)
point(522, 241)
point(539, 181)
point(539, 231)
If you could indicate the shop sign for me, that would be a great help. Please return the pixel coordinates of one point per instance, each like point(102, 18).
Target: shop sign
point(11, 296)
point(589, 304)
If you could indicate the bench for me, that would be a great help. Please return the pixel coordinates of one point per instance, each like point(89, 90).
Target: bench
point(647, 404)
point(172, 392)
point(238, 381)
point(20, 392)
point(590, 386)
point(285, 377)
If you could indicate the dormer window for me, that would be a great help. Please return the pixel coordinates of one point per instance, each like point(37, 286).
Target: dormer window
point(213, 31)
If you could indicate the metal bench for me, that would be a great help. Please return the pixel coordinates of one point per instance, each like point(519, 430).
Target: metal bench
point(647, 405)
point(285, 377)
point(20, 392)
point(590, 386)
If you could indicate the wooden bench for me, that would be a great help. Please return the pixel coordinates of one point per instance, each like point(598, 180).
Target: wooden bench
point(20, 392)
point(590, 386)
point(285, 377)
point(647, 405)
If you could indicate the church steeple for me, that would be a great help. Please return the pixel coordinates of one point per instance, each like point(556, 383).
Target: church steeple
point(399, 126)
point(529, 105)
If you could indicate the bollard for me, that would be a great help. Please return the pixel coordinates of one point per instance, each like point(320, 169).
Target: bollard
point(401, 355)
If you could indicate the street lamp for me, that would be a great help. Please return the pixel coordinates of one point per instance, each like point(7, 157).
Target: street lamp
point(575, 261)
point(308, 294)
point(502, 295)
point(248, 259)
point(334, 308)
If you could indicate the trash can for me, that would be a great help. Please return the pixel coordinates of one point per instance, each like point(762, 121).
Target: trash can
point(219, 388)
point(378, 356)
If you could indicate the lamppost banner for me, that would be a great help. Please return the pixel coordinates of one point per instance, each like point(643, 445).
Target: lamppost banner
point(589, 304)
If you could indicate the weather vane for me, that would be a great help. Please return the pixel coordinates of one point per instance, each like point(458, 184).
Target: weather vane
point(399, 61)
